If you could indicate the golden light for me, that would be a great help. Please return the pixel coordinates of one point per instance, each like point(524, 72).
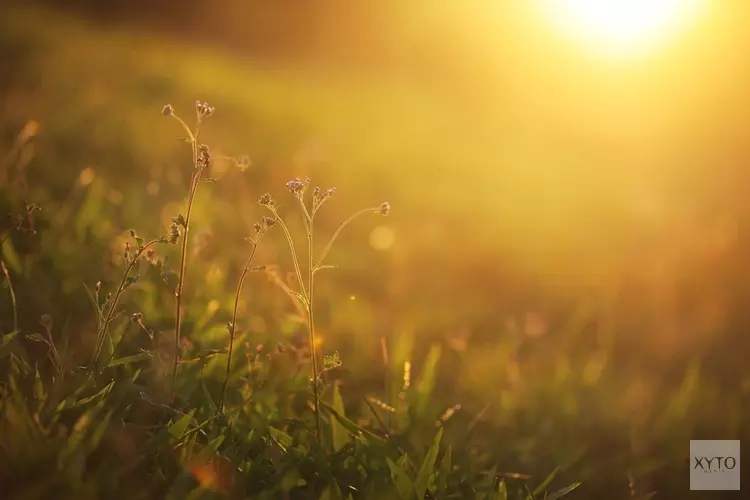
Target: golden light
point(621, 25)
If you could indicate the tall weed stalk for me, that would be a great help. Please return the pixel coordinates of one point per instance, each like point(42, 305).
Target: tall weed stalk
point(305, 293)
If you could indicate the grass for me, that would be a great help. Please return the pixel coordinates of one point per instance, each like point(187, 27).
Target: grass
point(416, 345)
point(264, 446)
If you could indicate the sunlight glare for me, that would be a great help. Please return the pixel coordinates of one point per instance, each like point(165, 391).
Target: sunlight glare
point(620, 25)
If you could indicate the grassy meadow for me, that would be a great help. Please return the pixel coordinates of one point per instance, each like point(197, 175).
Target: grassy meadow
point(551, 304)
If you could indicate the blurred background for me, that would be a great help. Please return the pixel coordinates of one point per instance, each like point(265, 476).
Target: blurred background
point(569, 216)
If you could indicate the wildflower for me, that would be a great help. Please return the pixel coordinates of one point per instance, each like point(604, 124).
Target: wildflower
point(173, 235)
point(204, 157)
point(203, 109)
point(296, 187)
point(268, 222)
point(167, 110)
point(384, 208)
point(266, 200)
point(136, 317)
point(179, 220)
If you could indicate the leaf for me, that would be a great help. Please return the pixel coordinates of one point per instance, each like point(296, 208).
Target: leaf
point(98, 432)
point(211, 404)
point(178, 428)
point(400, 478)
point(7, 343)
point(134, 358)
point(39, 388)
point(10, 256)
point(102, 393)
point(282, 438)
point(209, 450)
point(37, 337)
point(338, 431)
point(544, 484)
point(428, 466)
point(562, 492)
point(353, 428)
point(445, 470)
point(427, 379)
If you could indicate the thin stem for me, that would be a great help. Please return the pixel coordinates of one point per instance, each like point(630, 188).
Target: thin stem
point(335, 235)
point(101, 335)
point(245, 271)
point(311, 326)
point(181, 278)
point(12, 293)
point(290, 240)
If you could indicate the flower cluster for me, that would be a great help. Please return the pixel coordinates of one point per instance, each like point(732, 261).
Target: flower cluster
point(203, 161)
point(384, 208)
point(266, 200)
point(264, 225)
point(297, 187)
point(319, 196)
point(173, 234)
point(203, 109)
point(167, 110)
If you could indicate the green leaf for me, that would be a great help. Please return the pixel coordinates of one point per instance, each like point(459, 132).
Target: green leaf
point(133, 358)
point(428, 466)
point(98, 433)
point(281, 437)
point(445, 470)
point(178, 428)
point(401, 479)
point(208, 452)
point(10, 256)
point(39, 387)
point(427, 379)
point(338, 431)
point(37, 337)
point(544, 484)
point(211, 404)
point(353, 428)
point(562, 492)
point(103, 394)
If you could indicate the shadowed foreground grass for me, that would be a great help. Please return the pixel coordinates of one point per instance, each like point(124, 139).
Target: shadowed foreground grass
point(431, 378)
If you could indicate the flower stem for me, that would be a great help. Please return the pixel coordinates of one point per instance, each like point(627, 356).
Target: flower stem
point(311, 326)
point(245, 271)
point(102, 333)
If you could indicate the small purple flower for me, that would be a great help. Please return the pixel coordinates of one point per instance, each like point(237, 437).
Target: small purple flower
point(295, 186)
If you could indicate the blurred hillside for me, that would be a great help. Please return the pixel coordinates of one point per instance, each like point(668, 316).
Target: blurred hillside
point(551, 210)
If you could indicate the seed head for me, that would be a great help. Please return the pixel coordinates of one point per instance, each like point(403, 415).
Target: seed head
point(173, 235)
point(167, 110)
point(296, 187)
point(203, 109)
point(266, 200)
point(384, 208)
point(179, 220)
point(204, 157)
point(268, 222)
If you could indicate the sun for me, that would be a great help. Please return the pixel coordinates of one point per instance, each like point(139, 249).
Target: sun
point(620, 25)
